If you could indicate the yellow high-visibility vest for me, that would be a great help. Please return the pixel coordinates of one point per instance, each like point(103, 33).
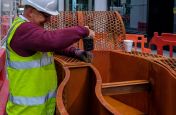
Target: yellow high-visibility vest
point(33, 80)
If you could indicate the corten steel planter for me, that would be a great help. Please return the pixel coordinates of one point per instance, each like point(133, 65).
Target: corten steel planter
point(132, 83)
point(158, 98)
point(76, 93)
point(116, 82)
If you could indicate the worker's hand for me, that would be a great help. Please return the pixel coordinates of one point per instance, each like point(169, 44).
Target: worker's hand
point(85, 56)
point(91, 32)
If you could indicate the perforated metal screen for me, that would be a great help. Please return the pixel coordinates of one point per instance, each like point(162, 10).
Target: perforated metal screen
point(63, 20)
point(168, 62)
point(108, 26)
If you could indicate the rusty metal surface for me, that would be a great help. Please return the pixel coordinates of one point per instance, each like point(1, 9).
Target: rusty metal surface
point(145, 55)
point(140, 66)
point(79, 91)
point(125, 66)
point(163, 94)
point(169, 63)
point(69, 61)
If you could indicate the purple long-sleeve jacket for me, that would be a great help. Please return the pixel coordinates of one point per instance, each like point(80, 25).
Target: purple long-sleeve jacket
point(30, 38)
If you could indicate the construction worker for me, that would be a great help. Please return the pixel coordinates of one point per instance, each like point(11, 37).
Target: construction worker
point(30, 66)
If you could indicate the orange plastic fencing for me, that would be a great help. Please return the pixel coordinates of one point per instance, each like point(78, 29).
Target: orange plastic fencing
point(3, 83)
point(137, 38)
point(166, 39)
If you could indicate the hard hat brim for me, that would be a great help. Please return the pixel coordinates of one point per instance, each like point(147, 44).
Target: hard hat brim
point(39, 8)
point(54, 13)
point(47, 11)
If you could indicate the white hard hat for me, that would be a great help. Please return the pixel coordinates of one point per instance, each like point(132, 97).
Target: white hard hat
point(47, 6)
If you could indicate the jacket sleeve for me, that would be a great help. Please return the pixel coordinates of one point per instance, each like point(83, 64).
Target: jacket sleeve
point(30, 37)
point(69, 51)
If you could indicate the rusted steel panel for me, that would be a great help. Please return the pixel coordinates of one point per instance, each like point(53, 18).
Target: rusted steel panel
point(162, 96)
point(122, 67)
point(79, 93)
point(125, 87)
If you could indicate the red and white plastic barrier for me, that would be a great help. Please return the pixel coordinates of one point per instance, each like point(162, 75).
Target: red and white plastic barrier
point(4, 87)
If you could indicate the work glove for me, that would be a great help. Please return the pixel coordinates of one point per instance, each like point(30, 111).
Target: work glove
point(86, 55)
point(82, 55)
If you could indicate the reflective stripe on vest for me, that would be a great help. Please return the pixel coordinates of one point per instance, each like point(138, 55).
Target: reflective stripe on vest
point(45, 60)
point(32, 100)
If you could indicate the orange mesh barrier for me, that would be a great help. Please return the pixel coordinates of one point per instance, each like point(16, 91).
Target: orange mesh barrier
point(108, 26)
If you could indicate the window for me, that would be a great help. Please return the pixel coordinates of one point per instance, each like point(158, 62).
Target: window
point(133, 12)
point(79, 5)
point(174, 10)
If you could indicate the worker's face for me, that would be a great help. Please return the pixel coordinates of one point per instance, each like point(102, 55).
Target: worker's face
point(40, 18)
